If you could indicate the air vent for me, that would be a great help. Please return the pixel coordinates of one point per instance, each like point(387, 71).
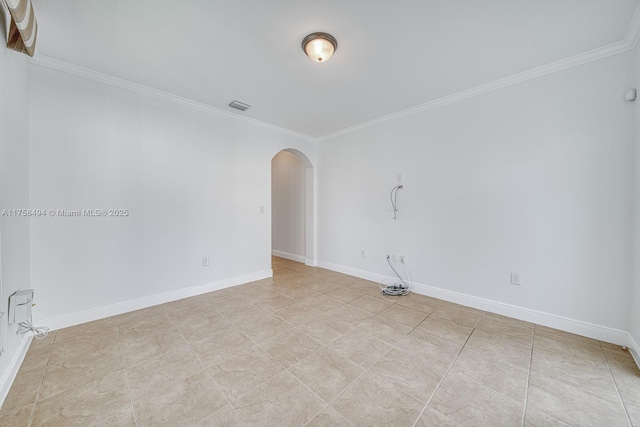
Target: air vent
point(239, 105)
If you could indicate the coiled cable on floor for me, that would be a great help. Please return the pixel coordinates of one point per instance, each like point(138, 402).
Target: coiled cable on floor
point(394, 288)
point(38, 332)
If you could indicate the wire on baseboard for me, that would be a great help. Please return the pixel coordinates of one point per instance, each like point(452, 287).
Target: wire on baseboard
point(38, 332)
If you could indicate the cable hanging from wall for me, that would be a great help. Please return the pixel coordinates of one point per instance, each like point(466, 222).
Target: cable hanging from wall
point(394, 199)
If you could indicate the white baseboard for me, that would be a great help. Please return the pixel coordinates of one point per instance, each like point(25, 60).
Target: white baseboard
point(6, 380)
point(97, 313)
point(562, 323)
point(634, 349)
point(287, 255)
point(310, 262)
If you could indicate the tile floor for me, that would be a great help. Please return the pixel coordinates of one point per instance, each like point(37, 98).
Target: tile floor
point(312, 347)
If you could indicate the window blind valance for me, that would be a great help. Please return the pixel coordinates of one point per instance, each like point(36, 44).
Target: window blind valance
point(23, 29)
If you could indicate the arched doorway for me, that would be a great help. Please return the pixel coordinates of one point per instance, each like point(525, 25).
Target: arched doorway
point(292, 209)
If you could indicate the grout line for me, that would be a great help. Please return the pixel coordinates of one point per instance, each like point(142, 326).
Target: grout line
point(526, 392)
point(46, 366)
point(443, 378)
point(615, 384)
point(126, 375)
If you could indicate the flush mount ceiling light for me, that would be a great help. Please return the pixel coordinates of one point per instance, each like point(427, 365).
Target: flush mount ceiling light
point(319, 46)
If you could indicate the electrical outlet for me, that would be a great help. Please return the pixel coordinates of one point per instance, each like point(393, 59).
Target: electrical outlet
point(261, 208)
point(399, 178)
point(515, 278)
point(205, 261)
point(363, 253)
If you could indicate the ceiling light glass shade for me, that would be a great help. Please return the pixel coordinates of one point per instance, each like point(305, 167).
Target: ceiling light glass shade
point(319, 46)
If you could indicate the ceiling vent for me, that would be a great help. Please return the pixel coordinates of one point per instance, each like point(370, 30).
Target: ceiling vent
point(239, 105)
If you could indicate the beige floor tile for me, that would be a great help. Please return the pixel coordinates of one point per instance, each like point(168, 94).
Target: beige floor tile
point(459, 314)
point(350, 314)
point(138, 346)
point(345, 293)
point(282, 401)
point(446, 329)
point(570, 349)
point(373, 401)
point(534, 418)
point(265, 329)
point(226, 343)
point(432, 418)
point(104, 341)
point(591, 378)
point(192, 313)
point(162, 370)
point(439, 352)
point(470, 403)
point(35, 360)
point(493, 347)
point(306, 280)
point(515, 332)
point(225, 417)
point(239, 374)
point(85, 330)
point(275, 301)
point(372, 304)
point(322, 286)
point(149, 325)
point(131, 319)
point(572, 404)
point(360, 347)
point(24, 390)
point(290, 347)
point(203, 327)
point(405, 315)
point(87, 404)
point(508, 320)
point(325, 328)
point(298, 313)
point(328, 418)
point(500, 377)
point(562, 335)
point(418, 302)
point(302, 294)
point(327, 373)
point(323, 303)
point(66, 373)
point(42, 343)
point(18, 417)
point(413, 375)
point(386, 329)
point(621, 362)
point(185, 402)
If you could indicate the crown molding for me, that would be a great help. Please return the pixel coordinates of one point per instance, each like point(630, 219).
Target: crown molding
point(89, 74)
point(629, 42)
point(632, 35)
point(534, 73)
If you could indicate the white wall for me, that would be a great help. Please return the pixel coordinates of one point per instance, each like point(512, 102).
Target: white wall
point(192, 182)
point(14, 186)
point(288, 205)
point(534, 178)
point(634, 324)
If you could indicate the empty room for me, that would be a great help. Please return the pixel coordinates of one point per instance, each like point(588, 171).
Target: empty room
point(320, 213)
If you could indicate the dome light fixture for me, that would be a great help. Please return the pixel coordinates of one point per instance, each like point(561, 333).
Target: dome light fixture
point(319, 46)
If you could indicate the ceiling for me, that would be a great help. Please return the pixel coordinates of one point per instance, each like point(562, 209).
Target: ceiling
point(392, 55)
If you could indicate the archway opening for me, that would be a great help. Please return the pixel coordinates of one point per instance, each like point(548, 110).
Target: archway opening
point(292, 206)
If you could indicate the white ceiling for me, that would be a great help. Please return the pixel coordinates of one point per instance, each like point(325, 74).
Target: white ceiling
point(392, 55)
